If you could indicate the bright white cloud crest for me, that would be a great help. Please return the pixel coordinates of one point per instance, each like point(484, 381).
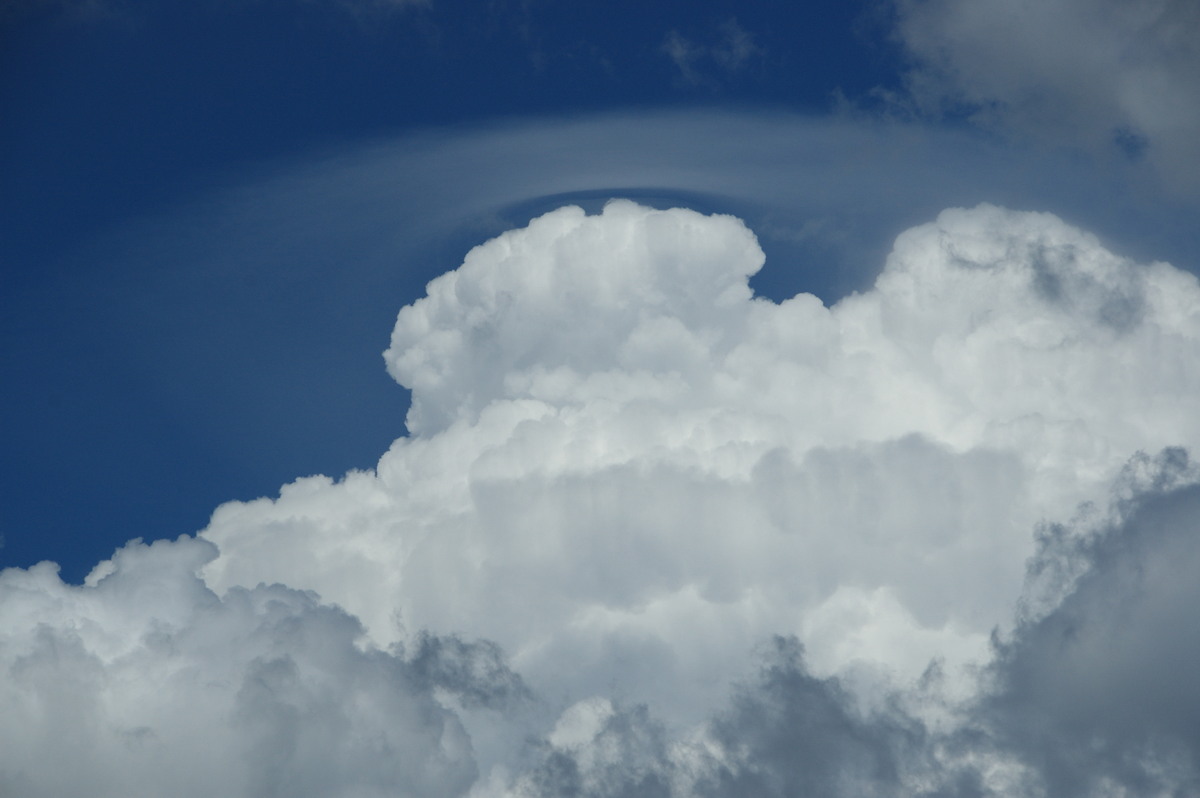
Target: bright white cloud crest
point(629, 473)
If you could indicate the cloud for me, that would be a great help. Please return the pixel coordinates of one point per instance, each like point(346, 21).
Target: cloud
point(601, 749)
point(1101, 690)
point(626, 470)
point(732, 49)
point(783, 732)
point(1103, 74)
point(144, 682)
point(1093, 695)
point(476, 672)
point(653, 535)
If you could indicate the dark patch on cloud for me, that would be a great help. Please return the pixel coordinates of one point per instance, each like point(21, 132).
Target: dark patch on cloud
point(476, 672)
point(1098, 693)
point(1059, 280)
point(627, 759)
point(1130, 143)
point(1046, 280)
point(1103, 690)
point(791, 733)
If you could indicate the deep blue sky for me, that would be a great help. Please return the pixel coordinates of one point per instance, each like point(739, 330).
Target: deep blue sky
point(196, 287)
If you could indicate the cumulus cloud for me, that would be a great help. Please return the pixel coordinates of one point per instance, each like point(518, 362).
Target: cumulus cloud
point(653, 535)
point(1093, 695)
point(1101, 73)
point(144, 682)
point(784, 732)
point(609, 428)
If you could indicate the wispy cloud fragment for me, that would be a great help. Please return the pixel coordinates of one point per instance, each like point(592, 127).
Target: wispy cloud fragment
point(707, 63)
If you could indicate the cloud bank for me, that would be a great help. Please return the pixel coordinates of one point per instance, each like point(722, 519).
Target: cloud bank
point(653, 535)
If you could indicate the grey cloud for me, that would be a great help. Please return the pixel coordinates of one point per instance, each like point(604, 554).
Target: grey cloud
point(266, 692)
point(785, 732)
point(1104, 689)
point(1105, 74)
point(684, 54)
point(791, 733)
point(628, 757)
point(632, 470)
point(475, 671)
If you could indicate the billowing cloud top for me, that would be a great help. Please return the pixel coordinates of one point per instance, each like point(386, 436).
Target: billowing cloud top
point(627, 482)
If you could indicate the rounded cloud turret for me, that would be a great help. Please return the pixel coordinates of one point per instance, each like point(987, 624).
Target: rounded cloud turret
point(566, 292)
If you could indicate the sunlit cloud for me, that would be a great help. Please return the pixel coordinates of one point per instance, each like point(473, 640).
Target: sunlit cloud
point(652, 533)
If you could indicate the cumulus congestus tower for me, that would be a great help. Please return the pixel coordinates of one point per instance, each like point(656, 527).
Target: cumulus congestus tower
point(626, 469)
point(652, 535)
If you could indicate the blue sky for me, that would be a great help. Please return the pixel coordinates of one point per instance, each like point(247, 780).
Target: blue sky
point(598, 522)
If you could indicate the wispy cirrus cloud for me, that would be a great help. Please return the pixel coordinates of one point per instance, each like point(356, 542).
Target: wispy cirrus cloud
point(728, 49)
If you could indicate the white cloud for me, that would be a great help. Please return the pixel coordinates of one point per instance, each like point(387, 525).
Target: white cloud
point(625, 470)
point(1093, 72)
point(625, 474)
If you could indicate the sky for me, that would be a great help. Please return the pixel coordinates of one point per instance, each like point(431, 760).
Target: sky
point(780, 399)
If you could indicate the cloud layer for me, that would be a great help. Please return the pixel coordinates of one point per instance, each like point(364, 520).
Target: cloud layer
point(653, 535)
